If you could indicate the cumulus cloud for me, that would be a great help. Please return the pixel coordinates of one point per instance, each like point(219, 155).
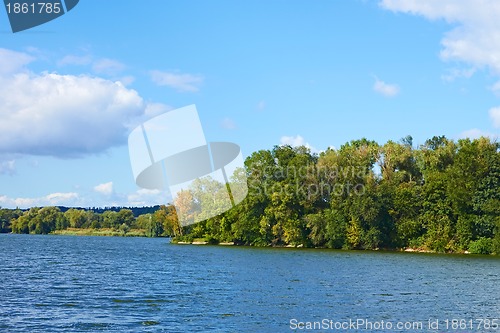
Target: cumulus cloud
point(475, 38)
point(385, 89)
point(53, 199)
point(63, 115)
point(495, 116)
point(178, 81)
point(106, 188)
point(296, 141)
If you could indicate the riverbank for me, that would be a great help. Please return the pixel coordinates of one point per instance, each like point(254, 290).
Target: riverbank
point(202, 241)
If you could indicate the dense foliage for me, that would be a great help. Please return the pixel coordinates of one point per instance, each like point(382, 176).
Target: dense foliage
point(442, 196)
point(162, 222)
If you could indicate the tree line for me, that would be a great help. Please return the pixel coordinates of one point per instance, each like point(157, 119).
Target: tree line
point(441, 196)
point(44, 220)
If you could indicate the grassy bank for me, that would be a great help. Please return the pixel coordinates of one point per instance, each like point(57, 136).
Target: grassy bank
point(100, 232)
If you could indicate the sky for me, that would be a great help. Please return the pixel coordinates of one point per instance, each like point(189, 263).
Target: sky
point(261, 73)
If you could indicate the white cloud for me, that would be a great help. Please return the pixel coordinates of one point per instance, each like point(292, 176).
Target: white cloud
point(54, 199)
point(476, 133)
point(386, 89)
point(495, 116)
point(139, 198)
point(107, 66)
point(296, 141)
point(456, 73)
point(12, 61)
point(75, 60)
point(102, 66)
point(63, 115)
point(180, 82)
point(228, 123)
point(126, 80)
point(106, 188)
point(145, 197)
point(475, 39)
point(496, 88)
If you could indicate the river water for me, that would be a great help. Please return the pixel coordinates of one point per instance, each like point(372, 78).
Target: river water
point(113, 284)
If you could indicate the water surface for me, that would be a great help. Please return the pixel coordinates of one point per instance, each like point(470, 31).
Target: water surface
point(113, 284)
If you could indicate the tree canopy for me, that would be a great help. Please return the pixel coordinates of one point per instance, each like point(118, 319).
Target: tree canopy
point(441, 196)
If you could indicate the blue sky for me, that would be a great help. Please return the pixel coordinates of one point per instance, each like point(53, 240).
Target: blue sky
point(261, 73)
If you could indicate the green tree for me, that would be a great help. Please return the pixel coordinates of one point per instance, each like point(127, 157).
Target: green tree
point(6, 218)
point(76, 217)
point(110, 219)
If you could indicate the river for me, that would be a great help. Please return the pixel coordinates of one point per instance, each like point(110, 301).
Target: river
point(114, 284)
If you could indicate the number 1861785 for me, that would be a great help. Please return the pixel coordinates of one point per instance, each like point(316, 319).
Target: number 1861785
point(477, 324)
point(33, 8)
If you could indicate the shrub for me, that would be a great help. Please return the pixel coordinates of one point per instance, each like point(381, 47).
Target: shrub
point(481, 246)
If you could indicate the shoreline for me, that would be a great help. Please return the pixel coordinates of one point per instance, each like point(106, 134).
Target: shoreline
point(300, 246)
point(141, 233)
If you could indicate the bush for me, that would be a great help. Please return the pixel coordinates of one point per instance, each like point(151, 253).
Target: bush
point(212, 240)
point(481, 246)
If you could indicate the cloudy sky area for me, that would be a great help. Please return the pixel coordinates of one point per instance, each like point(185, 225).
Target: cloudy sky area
point(262, 73)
